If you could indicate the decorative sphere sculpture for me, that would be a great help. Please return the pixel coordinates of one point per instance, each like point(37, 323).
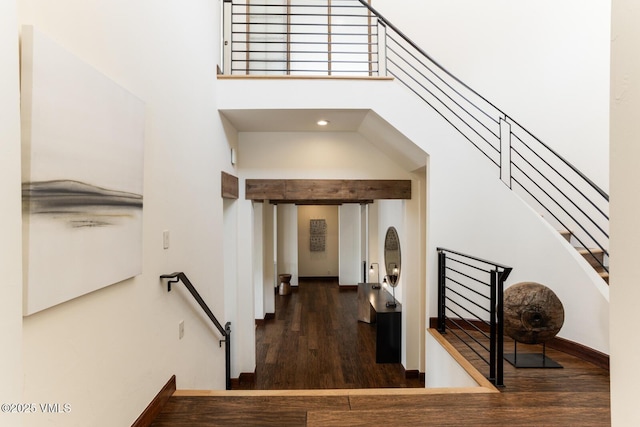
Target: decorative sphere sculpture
point(533, 314)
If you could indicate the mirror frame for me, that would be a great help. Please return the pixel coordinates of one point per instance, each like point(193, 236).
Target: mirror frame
point(392, 245)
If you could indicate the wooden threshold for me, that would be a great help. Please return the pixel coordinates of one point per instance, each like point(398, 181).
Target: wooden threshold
point(339, 392)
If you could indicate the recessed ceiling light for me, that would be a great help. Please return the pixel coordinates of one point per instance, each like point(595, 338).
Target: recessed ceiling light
point(322, 122)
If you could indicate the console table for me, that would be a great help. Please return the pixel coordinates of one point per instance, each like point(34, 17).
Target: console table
point(372, 309)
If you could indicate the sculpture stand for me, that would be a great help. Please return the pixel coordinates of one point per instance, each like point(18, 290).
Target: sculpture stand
point(531, 360)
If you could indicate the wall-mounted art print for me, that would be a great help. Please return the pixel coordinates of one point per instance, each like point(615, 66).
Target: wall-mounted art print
point(82, 155)
point(318, 235)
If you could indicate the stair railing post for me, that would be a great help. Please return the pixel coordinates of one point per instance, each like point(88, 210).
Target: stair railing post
point(505, 151)
point(442, 256)
point(227, 8)
point(382, 49)
point(500, 327)
point(493, 339)
point(227, 354)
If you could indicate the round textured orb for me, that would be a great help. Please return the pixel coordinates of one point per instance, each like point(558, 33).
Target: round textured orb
point(532, 313)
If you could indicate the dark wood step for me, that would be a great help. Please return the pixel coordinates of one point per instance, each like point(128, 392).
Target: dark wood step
point(366, 408)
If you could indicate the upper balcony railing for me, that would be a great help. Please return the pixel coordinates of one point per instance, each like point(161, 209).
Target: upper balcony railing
point(350, 38)
point(294, 37)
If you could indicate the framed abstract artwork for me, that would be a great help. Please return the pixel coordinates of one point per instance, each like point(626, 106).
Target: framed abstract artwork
point(82, 179)
point(318, 234)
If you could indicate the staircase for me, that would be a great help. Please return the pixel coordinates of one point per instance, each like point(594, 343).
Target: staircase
point(544, 179)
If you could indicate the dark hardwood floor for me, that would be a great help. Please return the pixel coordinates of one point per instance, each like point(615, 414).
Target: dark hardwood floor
point(315, 343)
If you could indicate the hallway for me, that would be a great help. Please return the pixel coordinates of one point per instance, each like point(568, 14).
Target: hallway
point(316, 342)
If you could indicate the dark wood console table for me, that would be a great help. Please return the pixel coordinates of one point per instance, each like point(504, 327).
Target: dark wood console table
point(372, 309)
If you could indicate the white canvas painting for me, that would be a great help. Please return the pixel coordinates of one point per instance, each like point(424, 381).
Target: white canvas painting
point(82, 189)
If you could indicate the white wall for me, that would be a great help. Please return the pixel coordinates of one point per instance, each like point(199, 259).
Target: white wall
point(350, 268)
point(108, 353)
point(249, 279)
point(288, 241)
point(414, 271)
point(269, 258)
point(442, 369)
point(10, 219)
point(258, 267)
point(230, 254)
point(625, 211)
point(391, 213)
point(318, 263)
point(546, 64)
point(469, 208)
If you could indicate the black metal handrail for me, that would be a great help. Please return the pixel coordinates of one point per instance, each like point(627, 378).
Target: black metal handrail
point(540, 175)
point(470, 306)
point(350, 37)
point(226, 331)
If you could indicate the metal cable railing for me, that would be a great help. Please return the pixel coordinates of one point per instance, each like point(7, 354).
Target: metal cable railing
point(293, 37)
point(470, 298)
point(349, 37)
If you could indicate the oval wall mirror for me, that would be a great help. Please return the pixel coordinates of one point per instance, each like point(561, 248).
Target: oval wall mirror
point(392, 256)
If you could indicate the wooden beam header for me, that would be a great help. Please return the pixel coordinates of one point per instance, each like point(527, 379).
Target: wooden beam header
point(230, 186)
point(326, 191)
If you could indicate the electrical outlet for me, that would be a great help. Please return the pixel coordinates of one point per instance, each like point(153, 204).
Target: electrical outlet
point(181, 329)
point(165, 239)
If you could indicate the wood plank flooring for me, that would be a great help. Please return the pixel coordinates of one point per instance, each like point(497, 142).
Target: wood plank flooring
point(316, 342)
point(575, 374)
point(312, 339)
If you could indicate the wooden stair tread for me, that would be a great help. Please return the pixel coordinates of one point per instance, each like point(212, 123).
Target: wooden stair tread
point(362, 409)
point(566, 234)
point(594, 256)
point(595, 251)
point(463, 416)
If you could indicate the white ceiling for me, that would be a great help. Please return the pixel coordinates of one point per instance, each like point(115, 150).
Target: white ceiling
point(364, 121)
point(295, 120)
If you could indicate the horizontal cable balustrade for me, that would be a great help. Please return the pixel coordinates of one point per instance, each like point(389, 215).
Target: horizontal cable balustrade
point(350, 38)
point(572, 201)
point(480, 126)
point(577, 204)
point(294, 37)
point(470, 299)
